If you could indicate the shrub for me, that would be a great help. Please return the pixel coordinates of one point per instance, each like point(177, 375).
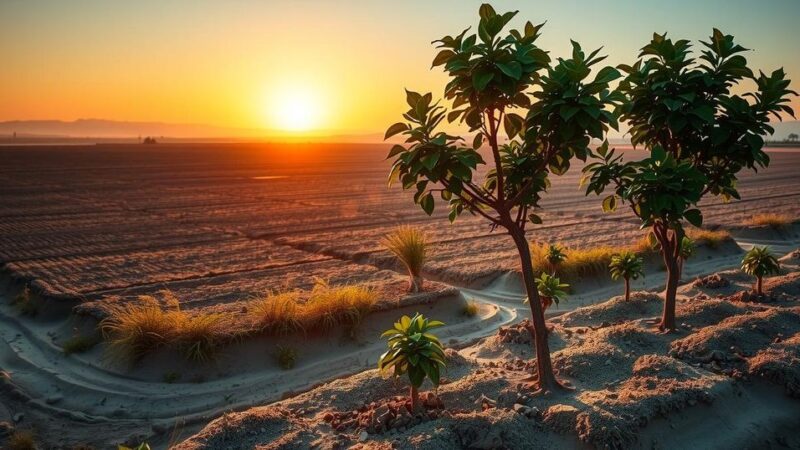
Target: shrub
point(410, 246)
point(712, 239)
point(277, 314)
point(78, 344)
point(776, 221)
point(286, 357)
point(134, 329)
point(341, 306)
point(626, 265)
point(414, 351)
point(22, 440)
point(759, 262)
point(200, 336)
point(578, 263)
point(25, 303)
point(470, 308)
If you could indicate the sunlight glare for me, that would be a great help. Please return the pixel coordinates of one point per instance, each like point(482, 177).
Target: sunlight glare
point(294, 108)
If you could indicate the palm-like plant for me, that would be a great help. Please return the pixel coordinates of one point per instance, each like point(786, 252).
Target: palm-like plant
point(551, 290)
point(759, 262)
point(555, 256)
point(626, 265)
point(413, 350)
point(410, 245)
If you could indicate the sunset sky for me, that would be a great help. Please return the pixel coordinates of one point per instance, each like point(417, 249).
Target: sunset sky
point(310, 66)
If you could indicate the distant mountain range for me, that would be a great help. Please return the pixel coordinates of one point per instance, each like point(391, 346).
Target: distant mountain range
point(100, 129)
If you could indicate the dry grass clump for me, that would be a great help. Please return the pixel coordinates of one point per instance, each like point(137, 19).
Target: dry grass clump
point(277, 314)
point(327, 307)
point(330, 307)
point(22, 440)
point(470, 308)
point(773, 220)
point(25, 303)
point(578, 263)
point(134, 329)
point(711, 238)
point(410, 245)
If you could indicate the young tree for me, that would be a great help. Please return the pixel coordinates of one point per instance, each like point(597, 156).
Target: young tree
point(415, 351)
point(699, 133)
point(759, 262)
point(628, 266)
point(555, 256)
point(491, 80)
point(551, 290)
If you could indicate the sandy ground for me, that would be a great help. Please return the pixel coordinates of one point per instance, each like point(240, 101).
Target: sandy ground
point(726, 379)
point(206, 225)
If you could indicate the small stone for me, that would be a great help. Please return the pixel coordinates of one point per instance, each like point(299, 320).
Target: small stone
point(19, 417)
point(53, 399)
point(363, 436)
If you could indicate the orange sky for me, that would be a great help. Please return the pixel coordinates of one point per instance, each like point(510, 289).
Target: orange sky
point(249, 64)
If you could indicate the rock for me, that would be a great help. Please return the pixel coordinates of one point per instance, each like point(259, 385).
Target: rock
point(520, 409)
point(363, 436)
point(19, 417)
point(53, 399)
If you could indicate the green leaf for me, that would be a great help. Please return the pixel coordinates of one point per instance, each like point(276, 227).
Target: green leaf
point(512, 69)
point(426, 202)
point(694, 217)
point(442, 57)
point(429, 161)
point(536, 220)
point(476, 143)
point(481, 80)
point(399, 127)
point(610, 203)
point(486, 11)
point(396, 150)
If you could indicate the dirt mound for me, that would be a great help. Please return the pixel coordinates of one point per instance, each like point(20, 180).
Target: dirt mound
point(700, 313)
point(779, 363)
point(659, 386)
point(744, 334)
point(641, 304)
point(714, 281)
point(277, 428)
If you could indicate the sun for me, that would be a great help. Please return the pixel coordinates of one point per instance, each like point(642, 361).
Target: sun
point(294, 108)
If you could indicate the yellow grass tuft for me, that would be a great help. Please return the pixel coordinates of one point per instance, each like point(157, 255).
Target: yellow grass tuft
point(22, 440)
point(329, 307)
point(470, 308)
point(712, 239)
point(583, 262)
point(773, 220)
point(411, 247)
point(134, 329)
point(277, 314)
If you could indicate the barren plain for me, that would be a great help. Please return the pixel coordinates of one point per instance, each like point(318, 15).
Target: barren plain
point(218, 224)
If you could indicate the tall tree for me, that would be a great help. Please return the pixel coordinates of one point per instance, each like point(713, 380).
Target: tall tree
point(492, 81)
point(699, 133)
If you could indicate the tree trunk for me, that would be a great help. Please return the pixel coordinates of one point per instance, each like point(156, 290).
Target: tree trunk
point(414, 283)
point(668, 315)
point(670, 251)
point(414, 399)
point(544, 366)
point(627, 289)
point(759, 285)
